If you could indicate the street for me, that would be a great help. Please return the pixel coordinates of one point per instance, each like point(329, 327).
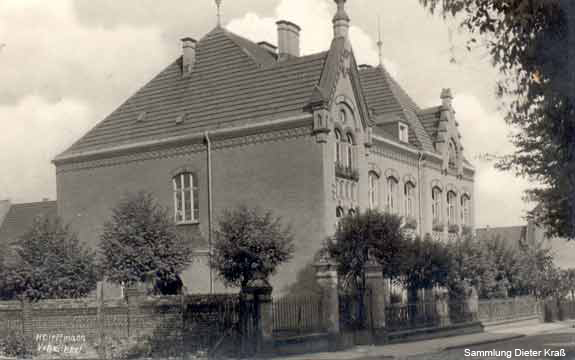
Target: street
point(557, 345)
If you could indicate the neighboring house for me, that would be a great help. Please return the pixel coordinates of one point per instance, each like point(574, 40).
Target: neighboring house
point(20, 217)
point(4, 207)
point(310, 137)
point(563, 251)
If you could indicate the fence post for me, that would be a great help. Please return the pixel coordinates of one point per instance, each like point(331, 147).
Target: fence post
point(261, 293)
point(326, 275)
point(26, 318)
point(376, 285)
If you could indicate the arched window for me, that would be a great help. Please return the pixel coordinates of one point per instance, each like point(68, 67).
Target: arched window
point(349, 145)
point(373, 190)
point(337, 146)
point(186, 200)
point(465, 200)
point(391, 203)
point(339, 212)
point(342, 116)
point(452, 154)
point(409, 197)
point(451, 204)
point(436, 209)
point(351, 212)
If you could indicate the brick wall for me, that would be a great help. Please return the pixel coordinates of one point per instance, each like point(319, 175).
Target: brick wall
point(198, 321)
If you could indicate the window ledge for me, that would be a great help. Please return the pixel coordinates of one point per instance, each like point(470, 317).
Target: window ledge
point(184, 223)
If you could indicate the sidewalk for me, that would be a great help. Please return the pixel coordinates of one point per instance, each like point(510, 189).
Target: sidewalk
point(397, 351)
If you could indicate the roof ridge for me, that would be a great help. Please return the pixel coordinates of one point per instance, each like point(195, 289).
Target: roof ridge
point(237, 39)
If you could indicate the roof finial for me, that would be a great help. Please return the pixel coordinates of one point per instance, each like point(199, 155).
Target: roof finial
point(219, 14)
point(379, 41)
point(340, 20)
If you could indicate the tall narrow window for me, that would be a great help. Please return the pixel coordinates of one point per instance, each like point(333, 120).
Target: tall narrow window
point(337, 146)
point(403, 133)
point(392, 205)
point(339, 212)
point(452, 155)
point(436, 205)
point(349, 145)
point(185, 198)
point(409, 197)
point(465, 210)
point(373, 190)
point(451, 202)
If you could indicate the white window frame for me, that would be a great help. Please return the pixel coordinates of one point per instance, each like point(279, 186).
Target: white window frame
point(451, 208)
point(185, 214)
point(373, 190)
point(409, 192)
point(349, 151)
point(465, 200)
point(436, 208)
point(403, 130)
point(391, 201)
point(338, 147)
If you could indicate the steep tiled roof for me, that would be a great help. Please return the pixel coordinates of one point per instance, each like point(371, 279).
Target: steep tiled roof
point(429, 119)
point(388, 99)
point(234, 82)
point(21, 216)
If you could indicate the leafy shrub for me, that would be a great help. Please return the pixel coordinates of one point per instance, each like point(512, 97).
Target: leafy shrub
point(14, 344)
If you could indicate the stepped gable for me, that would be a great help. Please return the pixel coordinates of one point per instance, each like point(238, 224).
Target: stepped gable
point(234, 82)
point(21, 216)
point(390, 101)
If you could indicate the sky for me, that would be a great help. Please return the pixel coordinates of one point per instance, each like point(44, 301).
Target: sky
point(66, 64)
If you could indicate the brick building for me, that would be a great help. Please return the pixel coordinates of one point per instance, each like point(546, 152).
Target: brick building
point(310, 137)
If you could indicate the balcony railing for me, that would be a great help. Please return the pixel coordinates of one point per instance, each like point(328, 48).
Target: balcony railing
point(346, 172)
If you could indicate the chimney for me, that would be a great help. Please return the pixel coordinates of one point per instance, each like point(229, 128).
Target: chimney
point(446, 98)
point(189, 55)
point(340, 20)
point(268, 47)
point(288, 40)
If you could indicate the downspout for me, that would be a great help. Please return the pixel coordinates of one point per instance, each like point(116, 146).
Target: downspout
point(210, 209)
point(419, 160)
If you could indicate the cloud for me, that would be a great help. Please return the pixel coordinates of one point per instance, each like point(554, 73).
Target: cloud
point(37, 131)
point(48, 53)
point(486, 132)
point(314, 17)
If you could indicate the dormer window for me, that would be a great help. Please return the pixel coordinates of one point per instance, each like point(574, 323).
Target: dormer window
point(403, 133)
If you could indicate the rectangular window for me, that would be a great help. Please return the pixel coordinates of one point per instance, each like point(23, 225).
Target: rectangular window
point(403, 133)
point(186, 205)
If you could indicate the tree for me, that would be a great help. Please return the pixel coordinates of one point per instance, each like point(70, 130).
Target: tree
point(531, 42)
point(250, 243)
point(424, 264)
point(48, 262)
point(472, 265)
point(365, 236)
point(140, 243)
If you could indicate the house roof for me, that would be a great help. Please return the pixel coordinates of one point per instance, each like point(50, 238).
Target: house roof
point(512, 235)
point(389, 101)
point(21, 216)
point(236, 82)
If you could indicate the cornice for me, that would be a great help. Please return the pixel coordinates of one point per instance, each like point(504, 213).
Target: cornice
point(176, 141)
point(219, 142)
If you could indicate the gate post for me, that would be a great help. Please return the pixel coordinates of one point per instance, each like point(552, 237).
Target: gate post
point(260, 291)
point(326, 275)
point(376, 285)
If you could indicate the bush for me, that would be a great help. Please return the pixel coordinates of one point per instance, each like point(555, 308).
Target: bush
point(14, 344)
